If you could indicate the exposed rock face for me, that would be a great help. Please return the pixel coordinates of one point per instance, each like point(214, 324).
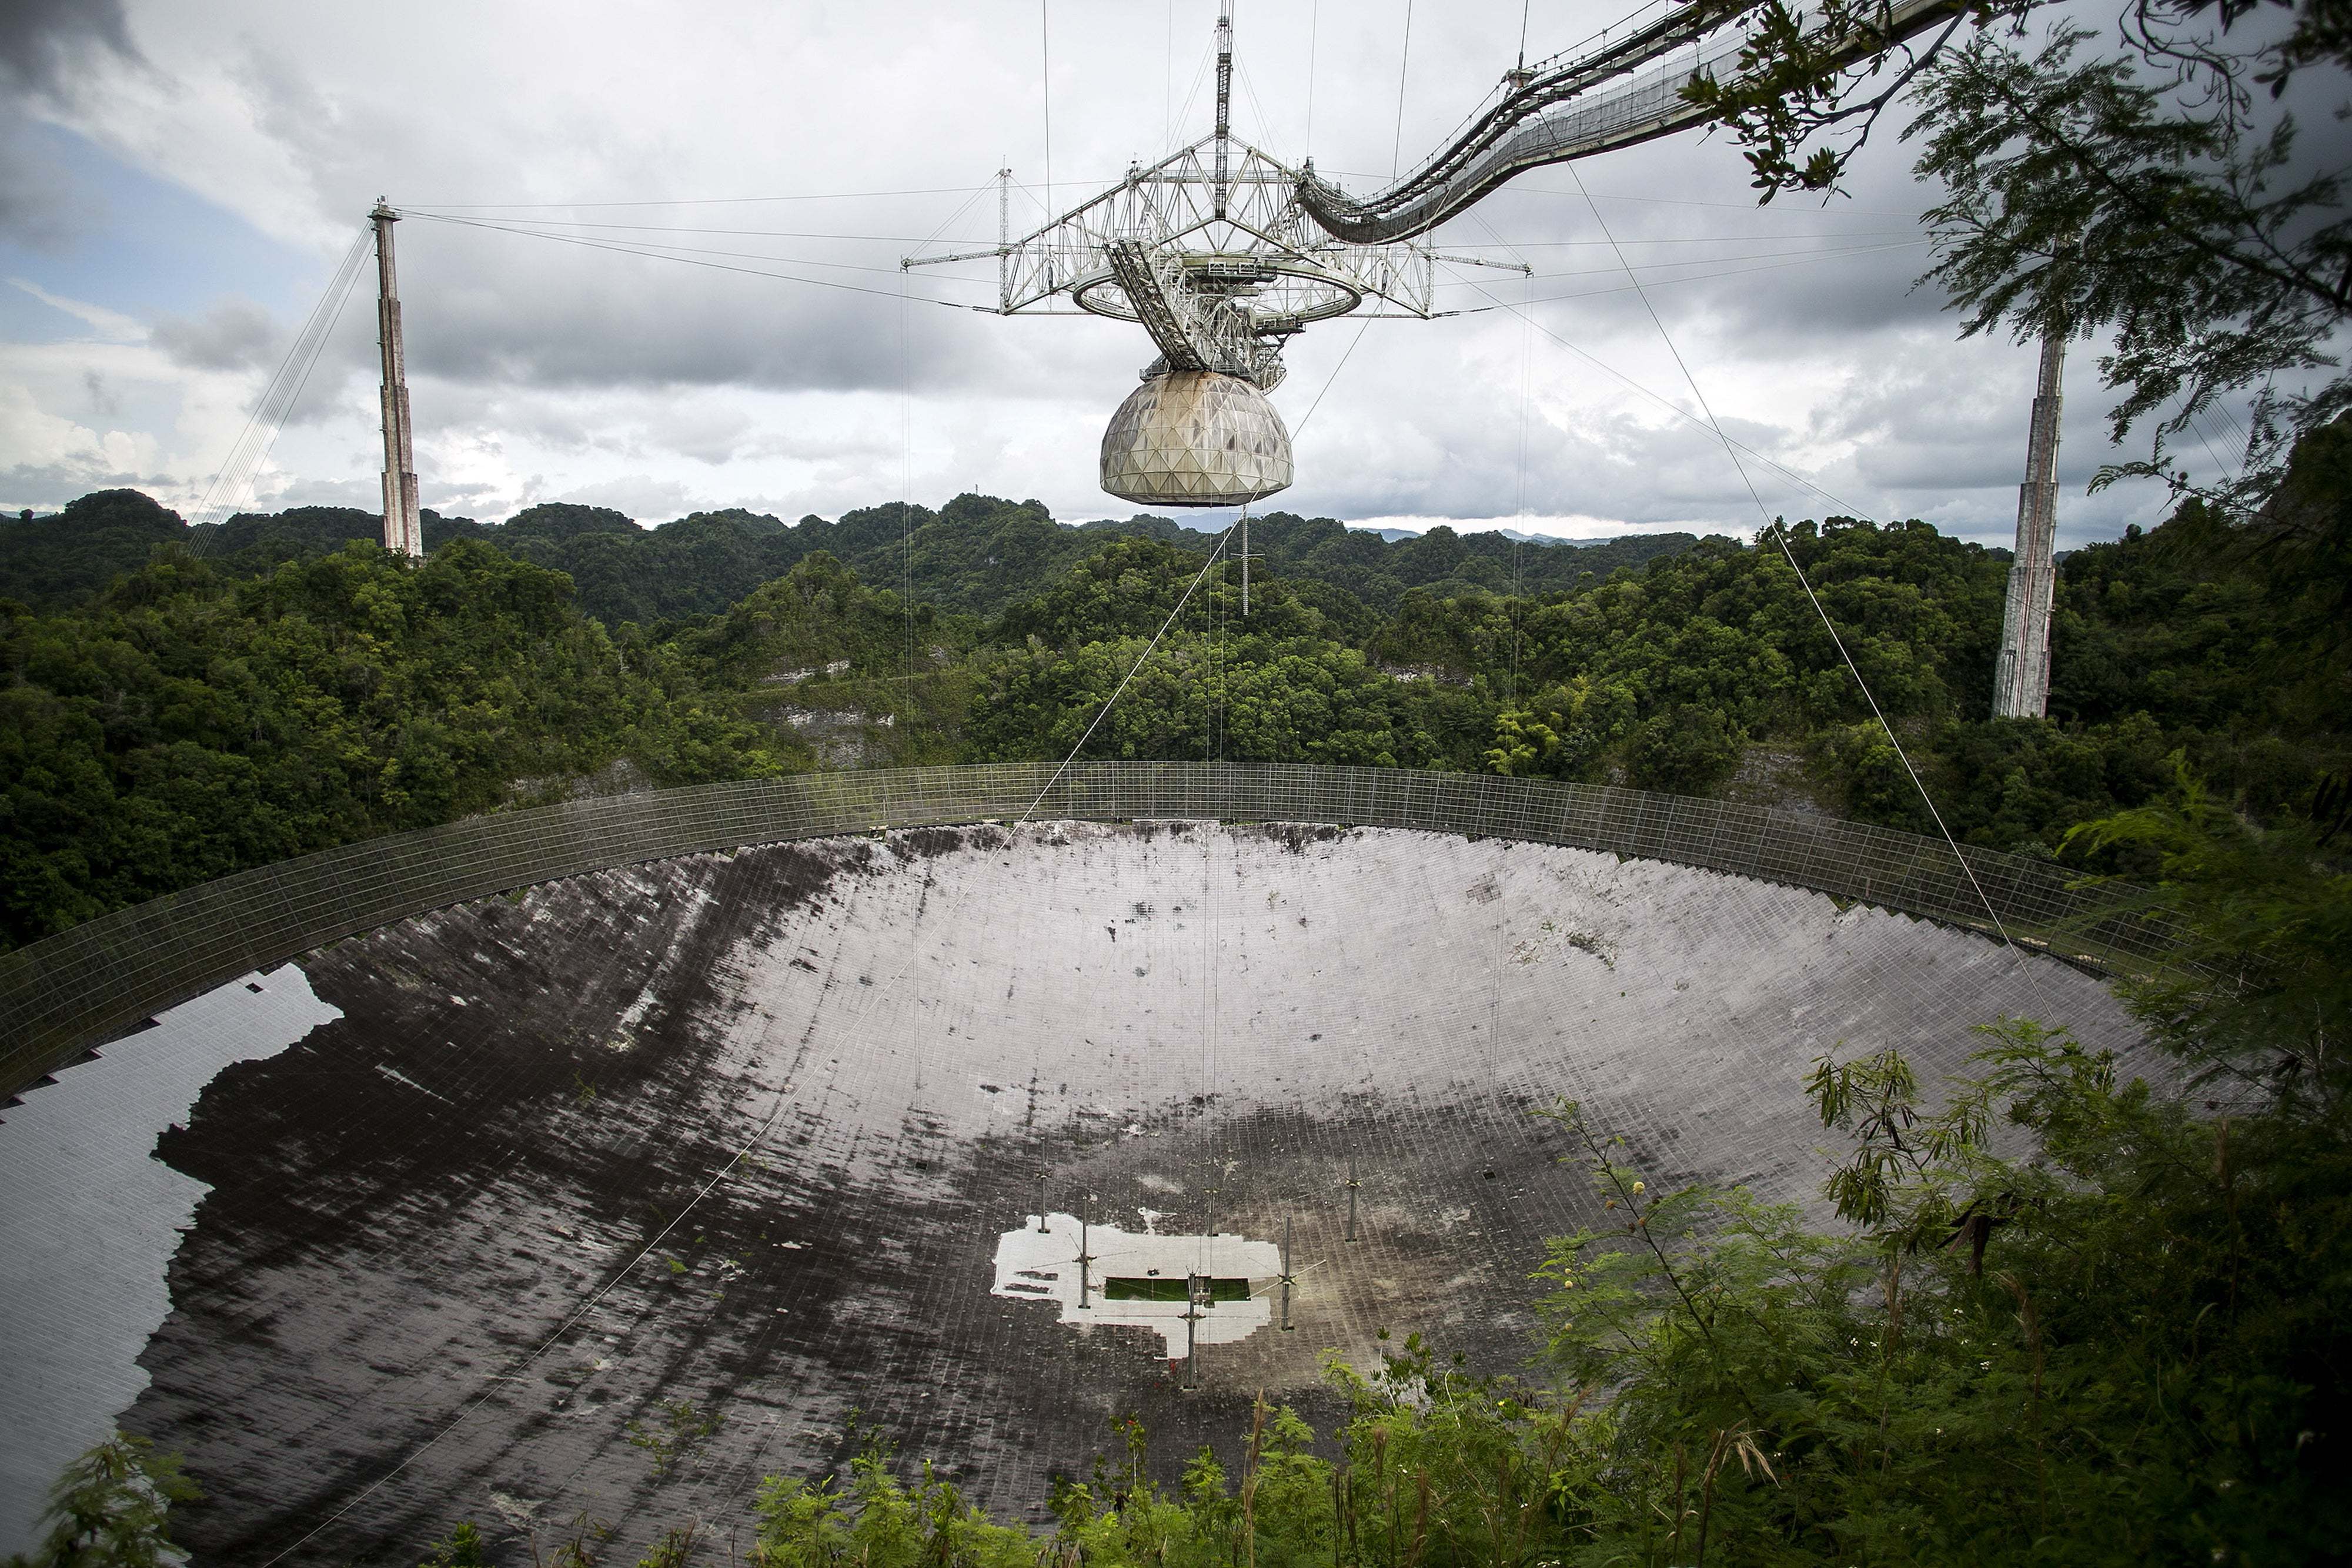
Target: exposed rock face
point(816, 1085)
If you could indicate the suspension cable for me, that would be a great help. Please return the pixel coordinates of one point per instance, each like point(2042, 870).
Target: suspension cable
point(1314, 36)
point(280, 394)
point(1404, 63)
point(1845, 507)
point(1780, 536)
point(1045, 94)
point(1112, 700)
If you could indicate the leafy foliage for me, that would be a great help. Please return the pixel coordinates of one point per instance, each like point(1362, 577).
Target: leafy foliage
point(66, 559)
point(188, 726)
point(2137, 186)
point(2260, 993)
point(110, 1508)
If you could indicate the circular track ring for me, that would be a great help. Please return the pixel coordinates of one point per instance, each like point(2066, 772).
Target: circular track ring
point(1303, 292)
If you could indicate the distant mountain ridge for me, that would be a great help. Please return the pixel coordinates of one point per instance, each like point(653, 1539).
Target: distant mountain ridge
point(977, 553)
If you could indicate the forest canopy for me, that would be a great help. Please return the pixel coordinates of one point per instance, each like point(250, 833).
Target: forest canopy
point(288, 687)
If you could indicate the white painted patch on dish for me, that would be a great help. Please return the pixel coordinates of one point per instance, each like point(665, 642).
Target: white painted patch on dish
point(1035, 1265)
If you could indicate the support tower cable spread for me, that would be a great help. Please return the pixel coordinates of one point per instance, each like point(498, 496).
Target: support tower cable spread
point(403, 529)
point(2020, 686)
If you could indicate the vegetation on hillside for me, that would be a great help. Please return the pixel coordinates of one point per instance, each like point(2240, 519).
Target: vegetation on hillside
point(200, 715)
point(186, 725)
point(976, 554)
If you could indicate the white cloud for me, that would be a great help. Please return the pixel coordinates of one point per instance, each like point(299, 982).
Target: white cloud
point(111, 326)
point(544, 370)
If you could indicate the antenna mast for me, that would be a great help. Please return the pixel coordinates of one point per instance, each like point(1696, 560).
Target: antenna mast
point(404, 531)
point(1225, 97)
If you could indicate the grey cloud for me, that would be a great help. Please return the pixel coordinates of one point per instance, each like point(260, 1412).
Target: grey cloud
point(42, 42)
point(45, 486)
point(542, 353)
point(44, 46)
point(525, 312)
point(235, 334)
point(365, 494)
point(40, 207)
point(640, 496)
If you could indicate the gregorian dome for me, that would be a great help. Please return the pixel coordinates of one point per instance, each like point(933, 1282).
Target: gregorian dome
point(1195, 438)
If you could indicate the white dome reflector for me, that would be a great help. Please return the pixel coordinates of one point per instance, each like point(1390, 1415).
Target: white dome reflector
point(1195, 438)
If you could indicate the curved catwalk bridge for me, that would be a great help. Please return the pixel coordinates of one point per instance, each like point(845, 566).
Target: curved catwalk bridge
point(1622, 87)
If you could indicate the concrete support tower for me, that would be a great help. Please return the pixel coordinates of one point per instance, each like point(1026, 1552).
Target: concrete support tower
point(2021, 681)
point(404, 528)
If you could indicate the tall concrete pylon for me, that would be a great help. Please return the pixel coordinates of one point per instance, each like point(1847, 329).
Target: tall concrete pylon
point(404, 528)
point(2021, 681)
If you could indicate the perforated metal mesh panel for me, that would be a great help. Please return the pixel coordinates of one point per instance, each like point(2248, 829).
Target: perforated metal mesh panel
point(63, 995)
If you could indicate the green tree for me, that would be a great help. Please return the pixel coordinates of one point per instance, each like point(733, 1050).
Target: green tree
point(111, 1510)
point(2147, 187)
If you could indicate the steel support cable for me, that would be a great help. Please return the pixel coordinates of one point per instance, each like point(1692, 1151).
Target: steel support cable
point(703, 201)
point(1217, 550)
point(1201, 74)
point(1214, 1149)
point(907, 482)
point(1249, 88)
point(1518, 189)
point(680, 252)
point(282, 391)
point(1362, 327)
point(933, 237)
point(1051, 215)
point(1519, 508)
point(1846, 509)
point(1404, 65)
point(1780, 536)
point(689, 261)
point(1112, 701)
point(907, 470)
point(1527, 398)
point(970, 197)
point(1797, 260)
point(1046, 93)
point(659, 252)
point(1314, 37)
point(663, 251)
point(546, 1344)
point(1526, 244)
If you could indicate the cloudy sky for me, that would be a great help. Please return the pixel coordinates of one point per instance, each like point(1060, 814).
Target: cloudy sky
point(179, 183)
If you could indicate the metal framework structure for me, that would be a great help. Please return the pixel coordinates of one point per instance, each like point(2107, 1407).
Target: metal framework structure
point(1210, 252)
point(1621, 87)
